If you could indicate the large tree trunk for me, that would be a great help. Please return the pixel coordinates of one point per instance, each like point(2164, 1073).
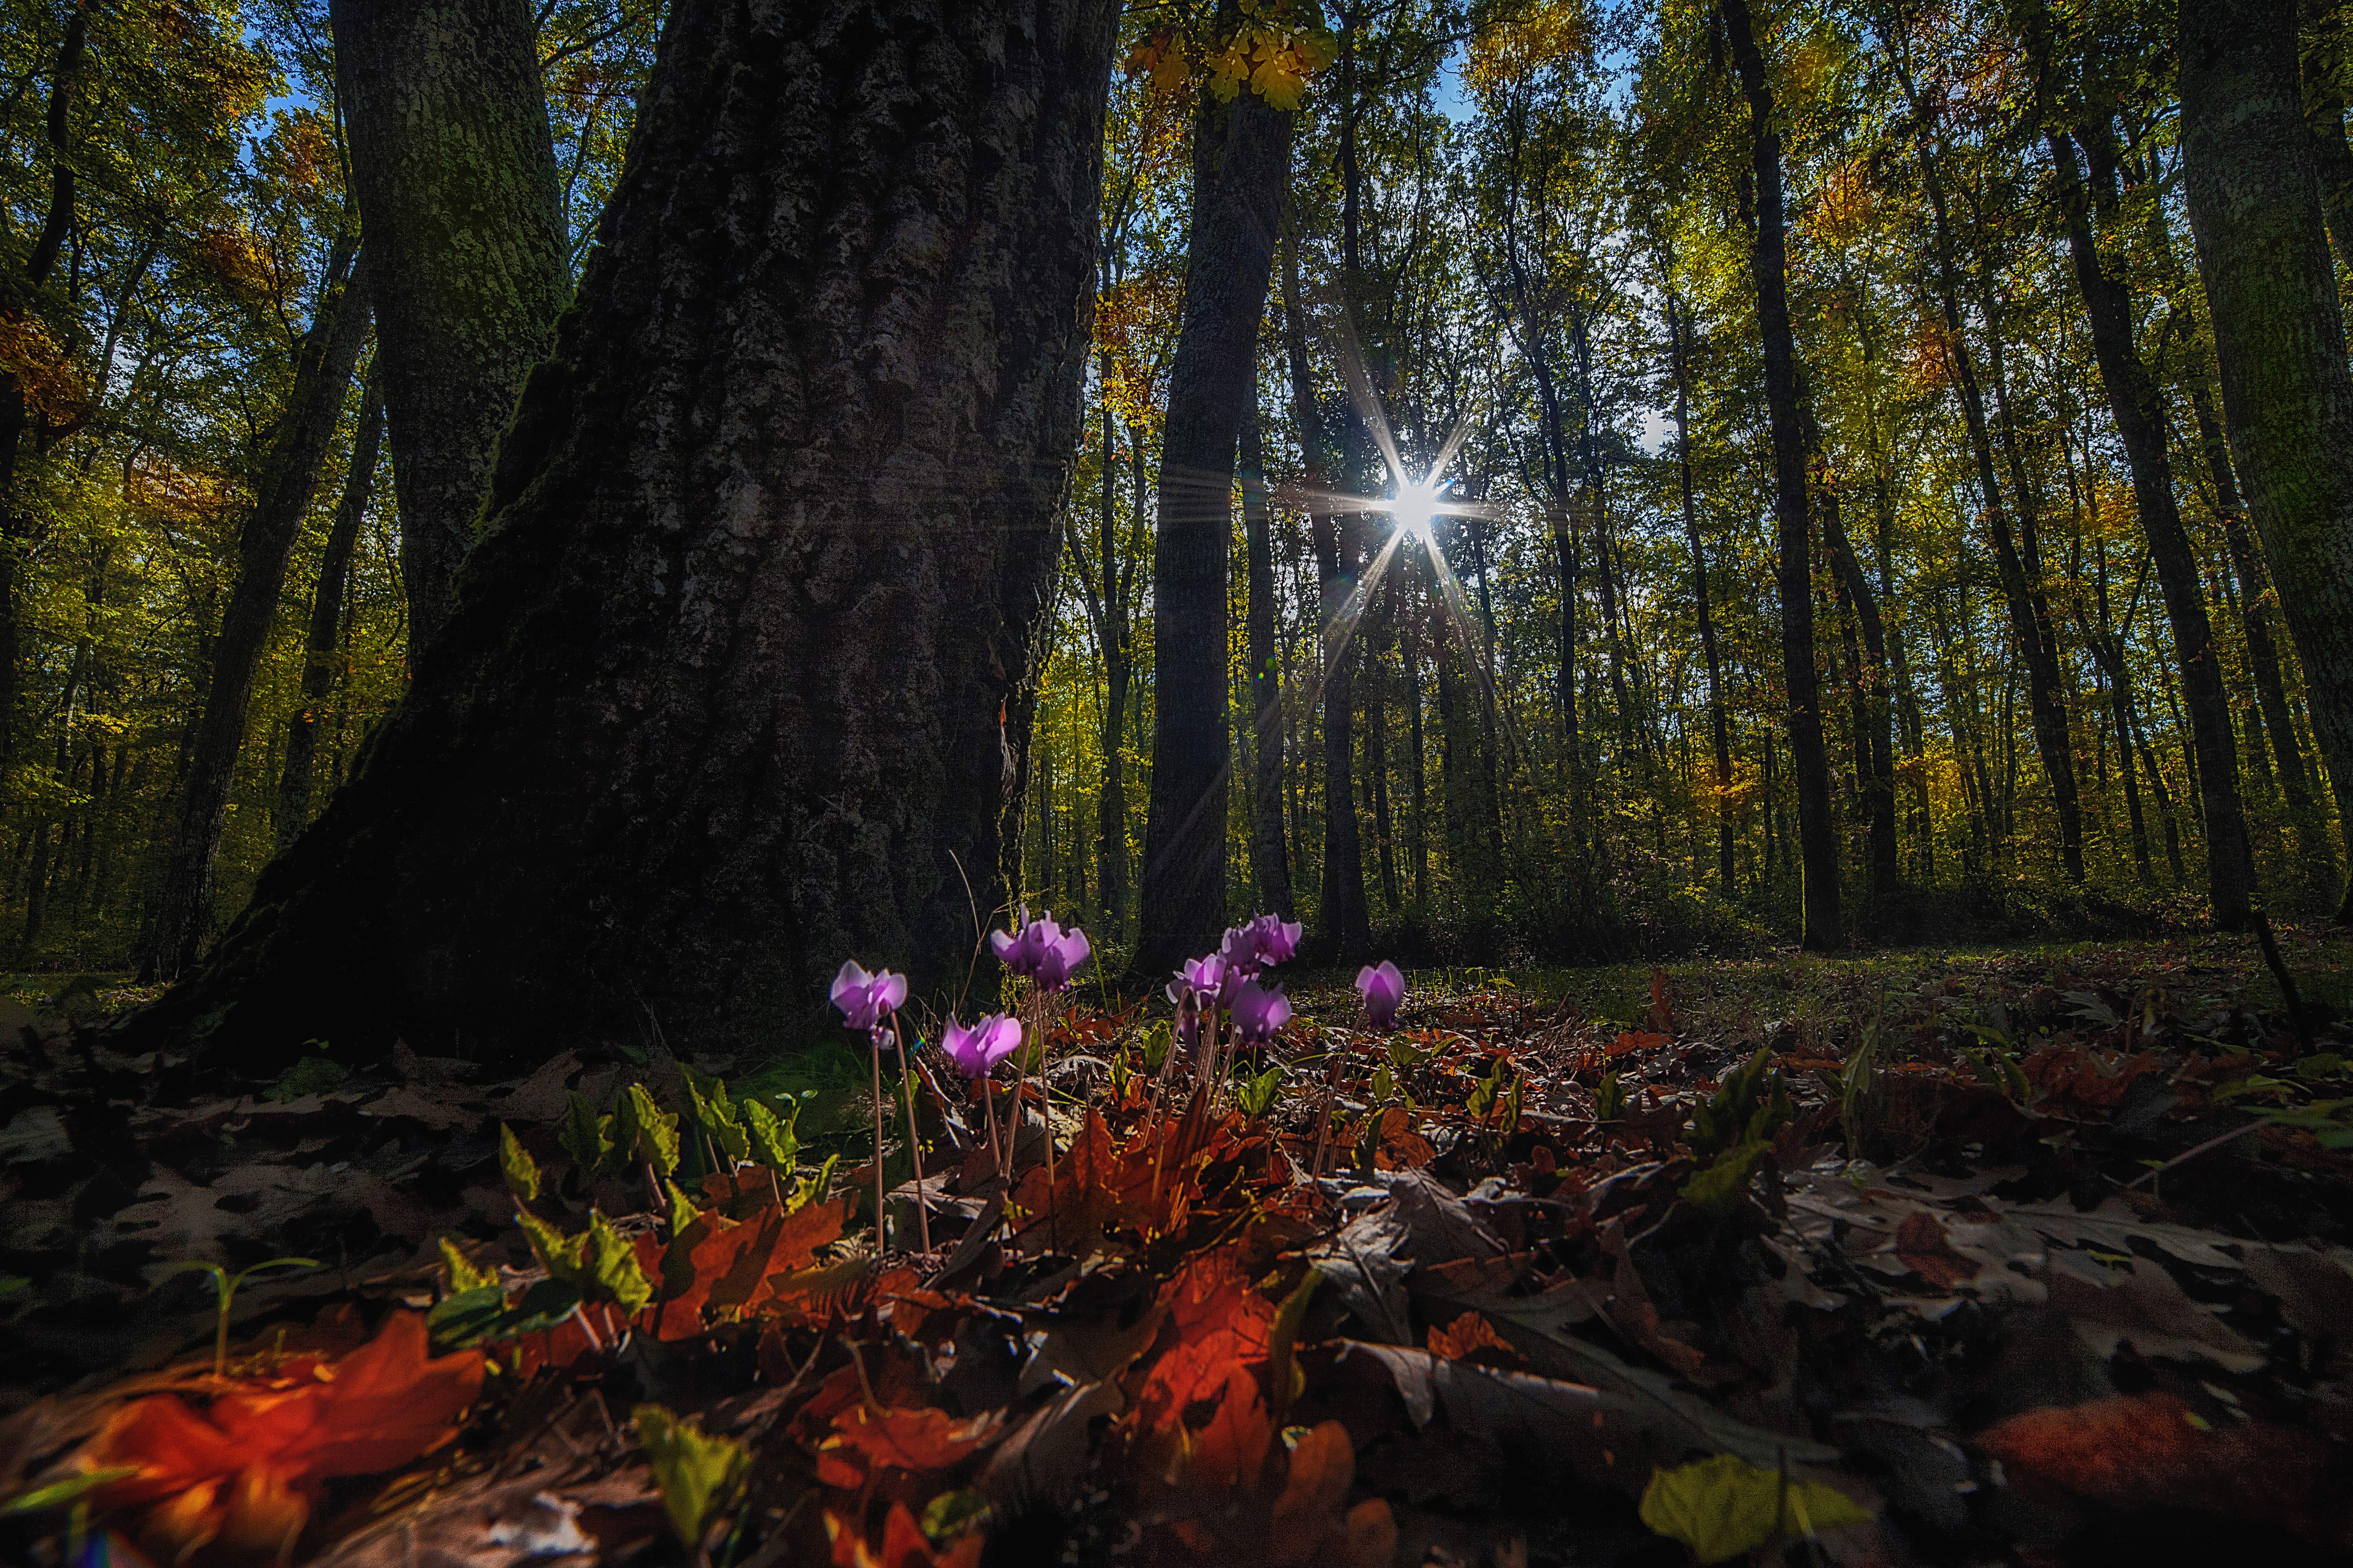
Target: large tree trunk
point(2134, 404)
point(455, 172)
point(1793, 572)
point(2279, 339)
point(1270, 856)
point(329, 353)
point(2323, 68)
point(293, 812)
point(722, 699)
point(1241, 155)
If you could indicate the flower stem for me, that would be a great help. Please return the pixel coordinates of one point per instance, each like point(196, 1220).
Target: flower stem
point(877, 1053)
point(914, 1139)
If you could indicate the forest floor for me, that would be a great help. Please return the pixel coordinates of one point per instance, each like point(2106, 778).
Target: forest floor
point(2040, 1256)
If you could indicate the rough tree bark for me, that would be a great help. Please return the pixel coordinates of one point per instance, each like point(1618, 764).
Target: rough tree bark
point(1270, 856)
point(1241, 157)
point(1793, 572)
point(293, 811)
point(2279, 339)
point(324, 363)
point(453, 168)
point(722, 700)
point(2134, 404)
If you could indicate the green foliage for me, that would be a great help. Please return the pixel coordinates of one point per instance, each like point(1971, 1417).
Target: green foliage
point(699, 1475)
point(515, 1164)
point(1725, 1507)
point(643, 1133)
point(1255, 1096)
point(463, 1275)
point(224, 1288)
point(770, 1139)
point(1609, 1098)
point(1747, 1108)
point(586, 1136)
point(311, 1074)
point(1722, 1187)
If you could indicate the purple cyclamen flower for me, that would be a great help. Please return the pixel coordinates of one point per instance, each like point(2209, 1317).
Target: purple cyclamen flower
point(1042, 950)
point(1258, 944)
point(1383, 989)
point(979, 1048)
point(867, 1001)
point(1259, 1010)
point(1202, 980)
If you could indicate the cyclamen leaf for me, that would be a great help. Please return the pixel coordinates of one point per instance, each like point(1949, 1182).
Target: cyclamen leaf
point(683, 1212)
point(1723, 1506)
point(714, 1113)
point(515, 1164)
point(643, 1132)
point(698, 1474)
point(559, 1254)
point(770, 1136)
point(613, 1267)
point(463, 1275)
point(585, 1136)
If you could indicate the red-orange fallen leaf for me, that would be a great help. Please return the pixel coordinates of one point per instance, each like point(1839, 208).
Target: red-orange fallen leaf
point(1145, 1186)
point(1400, 1147)
point(1200, 1413)
point(238, 1478)
point(904, 1545)
point(1922, 1245)
point(2150, 1450)
point(717, 1268)
point(916, 1439)
point(2089, 1077)
point(1323, 1464)
point(1467, 1333)
point(1628, 1041)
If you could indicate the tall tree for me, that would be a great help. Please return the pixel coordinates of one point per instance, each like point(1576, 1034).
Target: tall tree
point(454, 167)
point(2136, 405)
point(1785, 396)
point(2256, 206)
point(293, 812)
point(1241, 157)
point(1269, 854)
point(329, 350)
point(1719, 724)
point(723, 700)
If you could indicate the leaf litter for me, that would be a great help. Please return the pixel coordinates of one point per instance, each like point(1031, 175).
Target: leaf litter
point(1950, 1260)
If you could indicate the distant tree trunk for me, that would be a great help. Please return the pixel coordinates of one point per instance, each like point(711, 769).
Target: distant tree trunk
point(2324, 66)
point(2135, 405)
point(1114, 572)
point(2279, 339)
point(1270, 856)
point(724, 699)
point(1874, 755)
point(2259, 613)
point(1241, 155)
point(17, 419)
point(1793, 572)
point(326, 617)
point(324, 363)
point(1375, 643)
point(454, 167)
point(1719, 723)
point(1417, 823)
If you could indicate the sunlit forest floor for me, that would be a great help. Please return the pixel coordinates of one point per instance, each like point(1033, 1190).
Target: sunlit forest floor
point(2028, 1254)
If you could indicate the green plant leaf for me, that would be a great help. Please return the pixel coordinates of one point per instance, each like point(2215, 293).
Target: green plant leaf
point(698, 1474)
point(57, 1494)
point(585, 1136)
point(1723, 1506)
point(515, 1164)
point(682, 1210)
point(613, 1268)
point(561, 1255)
point(643, 1132)
point(1724, 1185)
point(769, 1137)
point(463, 1275)
point(1609, 1099)
point(466, 1318)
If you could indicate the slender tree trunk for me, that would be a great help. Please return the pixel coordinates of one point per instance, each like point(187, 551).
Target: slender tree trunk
point(290, 476)
point(1241, 157)
point(1270, 856)
point(724, 697)
point(2255, 205)
point(17, 418)
point(1793, 572)
point(1719, 723)
point(2134, 404)
point(1115, 568)
point(1416, 835)
point(1375, 642)
point(326, 617)
point(454, 167)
